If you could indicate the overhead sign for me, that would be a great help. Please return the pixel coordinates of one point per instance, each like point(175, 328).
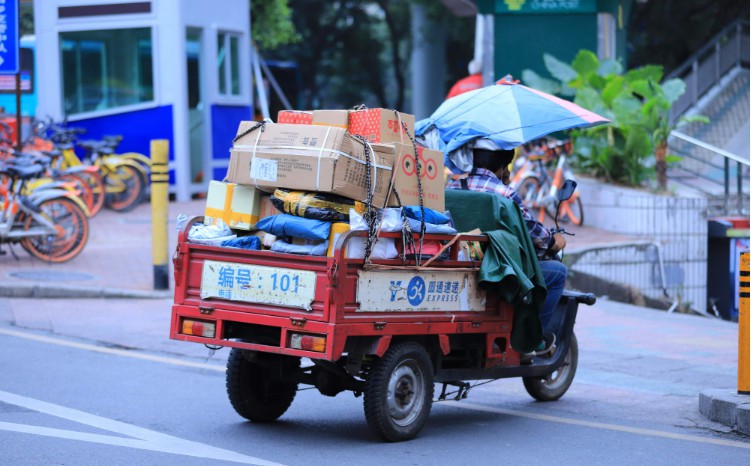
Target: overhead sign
point(546, 6)
point(9, 57)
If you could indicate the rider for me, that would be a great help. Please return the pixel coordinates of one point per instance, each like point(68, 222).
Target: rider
point(488, 160)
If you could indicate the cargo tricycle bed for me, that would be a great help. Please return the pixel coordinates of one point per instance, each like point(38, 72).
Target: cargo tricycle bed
point(385, 330)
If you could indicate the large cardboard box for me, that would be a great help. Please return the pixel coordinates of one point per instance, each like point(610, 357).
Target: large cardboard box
point(431, 177)
point(297, 117)
point(337, 118)
point(310, 158)
point(236, 205)
point(381, 125)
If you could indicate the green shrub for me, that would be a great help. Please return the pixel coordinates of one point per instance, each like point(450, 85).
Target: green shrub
point(637, 105)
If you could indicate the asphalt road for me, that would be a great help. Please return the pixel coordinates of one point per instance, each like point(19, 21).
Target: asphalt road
point(74, 402)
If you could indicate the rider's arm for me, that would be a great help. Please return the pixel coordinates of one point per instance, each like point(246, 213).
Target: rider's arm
point(541, 237)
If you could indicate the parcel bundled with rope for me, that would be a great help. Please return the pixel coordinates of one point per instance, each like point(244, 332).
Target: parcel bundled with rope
point(310, 158)
point(318, 206)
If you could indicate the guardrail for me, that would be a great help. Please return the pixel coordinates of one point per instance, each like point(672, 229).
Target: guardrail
point(728, 49)
point(713, 160)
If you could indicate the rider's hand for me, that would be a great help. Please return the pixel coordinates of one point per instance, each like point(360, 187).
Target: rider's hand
point(559, 242)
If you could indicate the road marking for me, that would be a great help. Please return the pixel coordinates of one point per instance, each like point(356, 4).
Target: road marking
point(145, 439)
point(463, 404)
point(597, 425)
point(119, 352)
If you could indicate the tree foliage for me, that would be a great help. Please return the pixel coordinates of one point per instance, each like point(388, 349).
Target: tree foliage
point(669, 31)
point(631, 148)
point(355, 52)
point(271, 23)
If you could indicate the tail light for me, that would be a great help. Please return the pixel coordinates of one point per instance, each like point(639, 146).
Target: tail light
point(306, 342)
point(199, 328)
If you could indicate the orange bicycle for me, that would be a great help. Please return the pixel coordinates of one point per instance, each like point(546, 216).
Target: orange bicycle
point(538, 187)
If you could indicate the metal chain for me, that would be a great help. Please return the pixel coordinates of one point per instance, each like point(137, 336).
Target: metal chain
point(260, 124)
point(371, 215)
point(418, 256)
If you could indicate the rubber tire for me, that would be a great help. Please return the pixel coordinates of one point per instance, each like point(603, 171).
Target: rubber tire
point(529, 189)
point(60, 248)
point(406, 363)
point(95, 180)
point(563, 218)
point(85, 193)
point(256, 391)
point(557, 383)
point(134, 192)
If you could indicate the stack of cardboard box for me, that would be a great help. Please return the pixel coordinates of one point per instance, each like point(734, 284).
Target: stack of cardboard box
point(341, 152)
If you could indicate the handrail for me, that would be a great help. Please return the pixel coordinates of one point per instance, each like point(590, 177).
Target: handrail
point(709, 147)
point(737, 24)
point(726, 51)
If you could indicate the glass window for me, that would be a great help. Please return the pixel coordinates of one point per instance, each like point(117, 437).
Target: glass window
point(228, 63)
point(106, 69)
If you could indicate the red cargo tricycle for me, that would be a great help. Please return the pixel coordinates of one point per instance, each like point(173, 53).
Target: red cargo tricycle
point(386, 330)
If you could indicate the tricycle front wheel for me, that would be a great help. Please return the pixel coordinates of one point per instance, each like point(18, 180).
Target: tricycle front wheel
point(553, 386)
point(399, 392)
point(258, 390)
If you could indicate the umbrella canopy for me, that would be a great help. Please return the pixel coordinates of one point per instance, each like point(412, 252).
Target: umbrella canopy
point(507, 113)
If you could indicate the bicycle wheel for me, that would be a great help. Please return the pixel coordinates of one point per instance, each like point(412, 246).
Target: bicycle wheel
point(529, 191)
point(95, 180)
point(72, 231)
point(126, 188)
point(82, 189)
point(572, 211)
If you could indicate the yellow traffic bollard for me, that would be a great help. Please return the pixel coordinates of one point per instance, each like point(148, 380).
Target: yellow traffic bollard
point(159, 211)
point(743, 330)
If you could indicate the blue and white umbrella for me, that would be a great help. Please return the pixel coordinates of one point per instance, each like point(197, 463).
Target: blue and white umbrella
point(507, 113)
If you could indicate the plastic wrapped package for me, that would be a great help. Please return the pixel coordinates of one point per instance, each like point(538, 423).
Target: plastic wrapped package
point(212, 235)
point(318, 249)
point(297, 227)
point(316, 206)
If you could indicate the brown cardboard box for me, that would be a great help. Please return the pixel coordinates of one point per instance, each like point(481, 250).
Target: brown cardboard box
point(381, 125)
point(309, 158)
point(236, 205)
point(431, 176)
point(297, 117)
point(337, 118)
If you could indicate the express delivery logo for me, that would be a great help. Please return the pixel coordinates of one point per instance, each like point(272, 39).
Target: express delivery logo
point(428, 168)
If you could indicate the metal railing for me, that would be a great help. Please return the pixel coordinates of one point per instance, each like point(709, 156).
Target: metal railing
point(710, 160)
point(727, 50)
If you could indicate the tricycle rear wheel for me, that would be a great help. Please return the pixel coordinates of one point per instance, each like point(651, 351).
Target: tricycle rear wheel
point(258, 391)
point(553, 386)
point(399, 392)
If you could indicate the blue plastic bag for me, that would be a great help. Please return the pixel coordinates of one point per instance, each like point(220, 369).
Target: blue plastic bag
point(243, 242)
point(431, 216)
point(297, 227)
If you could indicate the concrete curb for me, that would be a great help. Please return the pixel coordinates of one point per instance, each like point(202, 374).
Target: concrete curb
point(73, 292)
point(727, 407)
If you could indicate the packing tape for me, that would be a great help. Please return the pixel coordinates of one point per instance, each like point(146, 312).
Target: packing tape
point(320, 154)
point(230, 217)
point(337, 229)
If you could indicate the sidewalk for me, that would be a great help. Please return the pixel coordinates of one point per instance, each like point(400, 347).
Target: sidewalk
point(117, 263)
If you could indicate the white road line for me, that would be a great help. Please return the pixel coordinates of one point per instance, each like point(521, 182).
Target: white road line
point(597, 425)
point(102, 349)
point(144, 439)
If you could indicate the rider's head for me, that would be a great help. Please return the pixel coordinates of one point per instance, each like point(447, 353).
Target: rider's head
point(486, 154)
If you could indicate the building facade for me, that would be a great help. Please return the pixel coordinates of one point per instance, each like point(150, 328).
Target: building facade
point(159, 69)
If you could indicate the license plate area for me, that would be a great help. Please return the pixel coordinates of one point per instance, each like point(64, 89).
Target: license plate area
point(258, 284)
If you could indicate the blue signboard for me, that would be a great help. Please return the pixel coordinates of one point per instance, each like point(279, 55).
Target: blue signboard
point(9, 37)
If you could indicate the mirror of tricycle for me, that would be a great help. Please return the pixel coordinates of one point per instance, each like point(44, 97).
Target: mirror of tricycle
point(567, 190)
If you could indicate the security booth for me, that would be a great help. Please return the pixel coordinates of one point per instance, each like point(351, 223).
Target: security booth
point(524, 30)
point(168, 69)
